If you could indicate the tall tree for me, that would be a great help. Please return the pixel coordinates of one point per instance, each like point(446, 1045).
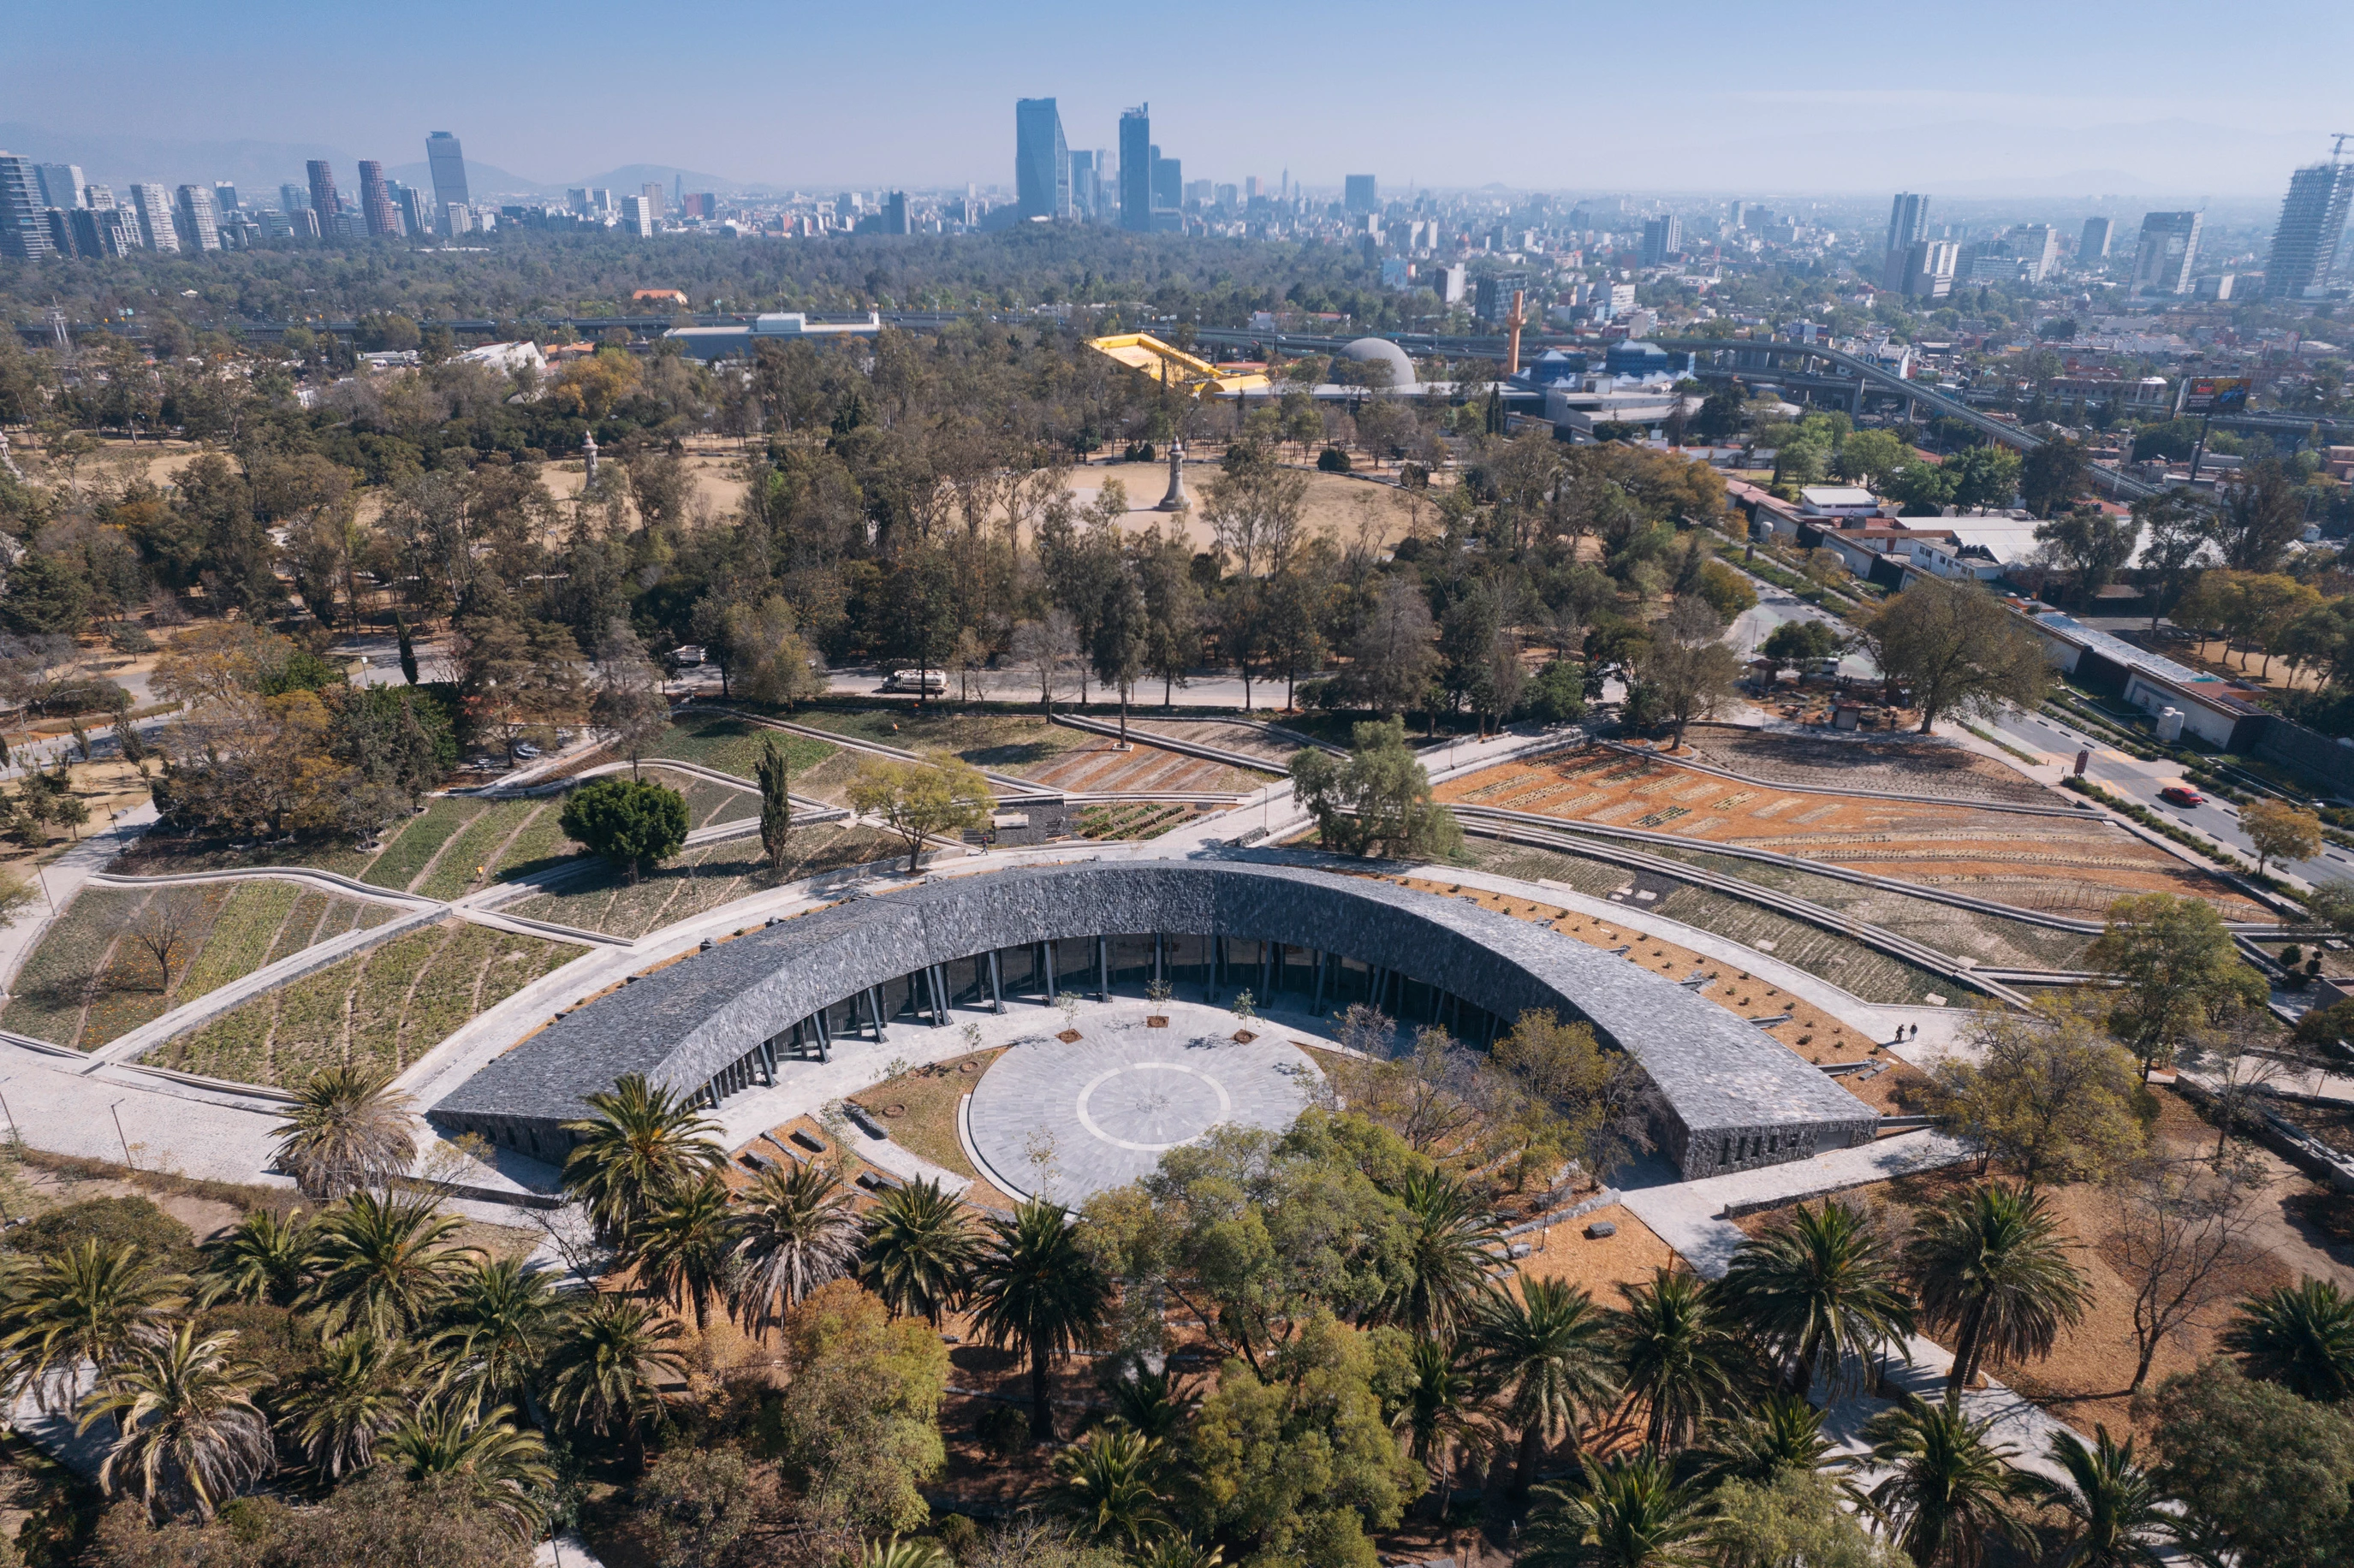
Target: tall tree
point(1036, 1290)
point(2177, 971)
point(776, 803)
point(1392, 657)
point(1679, 1355)
point(2114, 1513)
point(918, 1251)
point(1454, 1244)
point(1950, 1491)
point(919, 801)
point(607, 1372)
point(1958, 647)
point(2263, 513)
point(1546, 1349)
point(1818, 1283)
point(797, 1230)
point(1377, 800)
point(1990, 1266)
point(685, 1249)
point(2052, 476)
point(2300, 1336)
point(644, 1143)
point(187, 1429)
point(348, 1131)
point(1122, 637)
point(2092, 544)
point(1629, 1512)
point(2180, 526)
point(629, 704)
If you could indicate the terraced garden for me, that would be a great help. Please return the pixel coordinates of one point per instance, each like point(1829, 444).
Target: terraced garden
point(1005, 742)
point(1860, 970)
point(732, 745)
point(379, 1010)
point(1139, 820)
point(90, 981)
point(602, 899)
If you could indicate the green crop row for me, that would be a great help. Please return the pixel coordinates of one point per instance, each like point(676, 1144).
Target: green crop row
point(416, 842)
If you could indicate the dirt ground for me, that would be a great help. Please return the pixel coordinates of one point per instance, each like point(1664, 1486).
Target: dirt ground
point(1900, 764)
point(720, 481)
point(2086, 1379)
point(1349, 509)
point(1097, 764)
point(1598, 1265)
point(2063, 864)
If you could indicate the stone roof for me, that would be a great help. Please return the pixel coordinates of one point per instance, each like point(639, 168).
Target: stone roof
point(1720, 1077)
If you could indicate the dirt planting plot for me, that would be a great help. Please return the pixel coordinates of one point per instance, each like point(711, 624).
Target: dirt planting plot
point(90, 982)
point(2074, 865)
point(1249, 740)
point(700, 879)
point(1097, 764)
point(1896, 764)
point(1860, 970)
point(733, 745)
point(379, 1010)
point(1019, 744)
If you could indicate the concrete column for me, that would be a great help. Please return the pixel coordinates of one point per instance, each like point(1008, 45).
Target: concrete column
point(996, 985)
point(1046, 950)
point(1316, 1003)
point(1103, 968)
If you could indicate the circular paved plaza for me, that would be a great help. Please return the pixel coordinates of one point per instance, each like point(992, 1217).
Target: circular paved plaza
point(1067, 1120)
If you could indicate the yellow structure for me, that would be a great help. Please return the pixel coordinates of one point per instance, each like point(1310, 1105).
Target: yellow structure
point(1174, 367)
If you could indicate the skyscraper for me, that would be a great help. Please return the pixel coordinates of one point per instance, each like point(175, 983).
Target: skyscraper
point(375, 201)
point(2038, 247)
point(2170, 249)
point(447, 161)
point(1359, 194)
point(1663, 237)
point(293, 197)
point(153, 203)
point(2094, 246)
point(655, 205)
point(24, 228)
point(1136, 170)
point(60, 184)
point(894, 213)
point(324, 200)
point(638, 216)
point(195, 221)
point(1168, 182)
point(1925, 268)
point(1908, 222)
point(416, 216)
point(1085, 197)
point(1042, 161)
point(2311, 226)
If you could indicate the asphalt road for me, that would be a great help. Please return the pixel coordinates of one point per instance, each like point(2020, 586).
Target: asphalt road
point(2059, 741)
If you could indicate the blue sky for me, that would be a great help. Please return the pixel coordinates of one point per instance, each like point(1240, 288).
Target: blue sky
point(2160, 99)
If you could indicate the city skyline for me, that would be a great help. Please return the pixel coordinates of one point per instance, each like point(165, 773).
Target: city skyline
point(2142, 125)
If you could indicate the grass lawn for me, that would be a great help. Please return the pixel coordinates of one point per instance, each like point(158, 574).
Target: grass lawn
point(732, 745)
point(90, 981)
point(1005, 743)
point(701, 879)
point(927, 1098)
point(380, 1010)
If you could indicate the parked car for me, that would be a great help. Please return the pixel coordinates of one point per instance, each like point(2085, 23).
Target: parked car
point(525, 748)
point(2180, 795)
point(931, 683)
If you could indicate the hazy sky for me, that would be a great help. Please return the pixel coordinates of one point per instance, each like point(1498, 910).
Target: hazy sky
point(2054, 96)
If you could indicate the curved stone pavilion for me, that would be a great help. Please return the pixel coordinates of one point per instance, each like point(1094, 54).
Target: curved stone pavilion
point(837, 981)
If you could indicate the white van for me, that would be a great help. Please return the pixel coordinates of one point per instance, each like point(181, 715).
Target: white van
point(930, 683)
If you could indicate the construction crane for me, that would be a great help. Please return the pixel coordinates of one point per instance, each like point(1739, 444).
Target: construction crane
point(2339, 151)
point(1176, 370)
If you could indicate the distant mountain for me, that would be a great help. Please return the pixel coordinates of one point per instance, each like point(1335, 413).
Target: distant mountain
point(483, 181)
point(119, 160)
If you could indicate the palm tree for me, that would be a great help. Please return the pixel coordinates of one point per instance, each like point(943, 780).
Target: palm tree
point(383, 1260)
point(360, 1390)
point(1036, 1290)
point(1152, 1402)
point(795, 1231)
point(1817, 1281)
point(644, 1144)
point(185, 1423)
point(685, 1249)
point(1177, 1550)
point(918, 1251)
point(266, 1259)
point(1678, 1357)
point(348, 1131)
point(2300, 1336)
point(85, 1306)
point(1950, 1491)
point(1107, 1477)
point(2112, 1505)
point(605, 1374)
point(1630, 1514)
point(1991, 1266)
point(898, 1554)
point(505, 1468)
point(1453, 1243)
point(1780, 1432)
point(495, 1326)
point(1546, 1351)
point(1439, 1412)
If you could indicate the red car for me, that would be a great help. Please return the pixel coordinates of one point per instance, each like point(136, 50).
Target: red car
point(2180, 795)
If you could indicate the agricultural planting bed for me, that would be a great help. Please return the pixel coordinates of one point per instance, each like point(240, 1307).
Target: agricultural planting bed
point(380, 1010)
point(1897, 764)
point(1225, 734)
point(1862, 972)
point(1132, 820)
point(1097, 764)
point(2075, 866)
point(732, 745)
point(603, 899)
point(90, 981)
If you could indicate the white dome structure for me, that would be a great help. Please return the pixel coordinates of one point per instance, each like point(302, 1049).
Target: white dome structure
point(1381, 351)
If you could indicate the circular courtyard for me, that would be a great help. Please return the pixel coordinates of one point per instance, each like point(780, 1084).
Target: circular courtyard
point(1065, 1119)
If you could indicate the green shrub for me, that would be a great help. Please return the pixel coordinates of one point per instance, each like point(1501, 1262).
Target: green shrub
point(627, 821)
point(109, 1222)
point(1003, 1430)
point(1333, 459)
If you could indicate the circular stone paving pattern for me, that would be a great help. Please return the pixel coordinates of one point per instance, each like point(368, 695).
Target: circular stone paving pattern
point(1068, 1120)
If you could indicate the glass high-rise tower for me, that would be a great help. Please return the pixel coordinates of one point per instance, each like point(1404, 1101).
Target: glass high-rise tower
point(447, 162)
point(2312, 226)
point(1041, 162)
point(1136, 169)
